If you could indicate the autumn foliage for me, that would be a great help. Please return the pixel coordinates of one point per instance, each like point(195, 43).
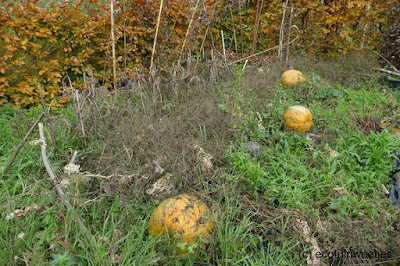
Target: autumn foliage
point(43, 45)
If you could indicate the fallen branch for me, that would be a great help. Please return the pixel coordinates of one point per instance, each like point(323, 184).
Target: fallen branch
point(23, 143)
point(395, 73)
point(87, 174)
point(387, 61)
point(58, 187)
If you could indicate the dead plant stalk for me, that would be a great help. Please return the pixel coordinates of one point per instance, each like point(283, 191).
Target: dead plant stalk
point(58, 186)
point(81, 118)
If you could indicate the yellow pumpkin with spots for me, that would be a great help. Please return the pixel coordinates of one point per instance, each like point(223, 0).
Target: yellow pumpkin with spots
point(291, 78)
point(297, 119)
point(184, 217)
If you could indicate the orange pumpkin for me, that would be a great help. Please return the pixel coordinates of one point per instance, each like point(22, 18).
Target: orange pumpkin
point(183, 216)
point(297, 118)
point(291, 78)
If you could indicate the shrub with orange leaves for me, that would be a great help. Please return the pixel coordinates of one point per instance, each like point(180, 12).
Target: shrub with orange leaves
point(43, 45)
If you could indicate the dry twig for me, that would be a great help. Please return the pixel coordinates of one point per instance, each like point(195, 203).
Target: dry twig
point(81, 118)
point(395, 73)
point(58, 186)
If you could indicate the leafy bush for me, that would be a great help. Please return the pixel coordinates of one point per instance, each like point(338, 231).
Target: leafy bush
point(42, 45)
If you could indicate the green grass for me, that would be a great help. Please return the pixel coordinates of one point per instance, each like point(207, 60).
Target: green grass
point(291, 173)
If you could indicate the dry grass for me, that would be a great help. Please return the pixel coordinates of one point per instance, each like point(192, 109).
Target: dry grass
point(133, 138)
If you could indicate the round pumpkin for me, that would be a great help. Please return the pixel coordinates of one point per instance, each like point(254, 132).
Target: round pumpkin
point(183, 216)
point(291, 78)
point(297, 118)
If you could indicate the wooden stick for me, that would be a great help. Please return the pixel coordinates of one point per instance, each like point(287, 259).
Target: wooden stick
point(47, 113)
point(155, 37)
point(234, 30)
point(187, 31)
point(269, 49)
point(58, 186)
point(113, 48)
point(81, 118)
point(395, 73)
point(22, 143)
point(223, 45)
point(125, 36)
point(387, 61)
point(281, 32)
point(288, 38)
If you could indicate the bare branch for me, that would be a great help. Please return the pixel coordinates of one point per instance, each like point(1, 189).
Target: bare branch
point(59, 189)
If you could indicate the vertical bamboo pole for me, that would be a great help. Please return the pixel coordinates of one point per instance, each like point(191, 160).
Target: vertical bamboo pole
point(281, 32)
point(113, 47)
point(125, 36)
point(187, 31)
point(155, 37)
point(288, 38)
point(223, 45)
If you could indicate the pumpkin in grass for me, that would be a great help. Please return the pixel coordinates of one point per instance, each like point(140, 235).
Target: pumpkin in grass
point(291, 78)
point(297, 118)
point(184, 217)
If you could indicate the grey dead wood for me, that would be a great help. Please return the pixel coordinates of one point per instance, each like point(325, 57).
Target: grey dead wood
point(58, 187)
